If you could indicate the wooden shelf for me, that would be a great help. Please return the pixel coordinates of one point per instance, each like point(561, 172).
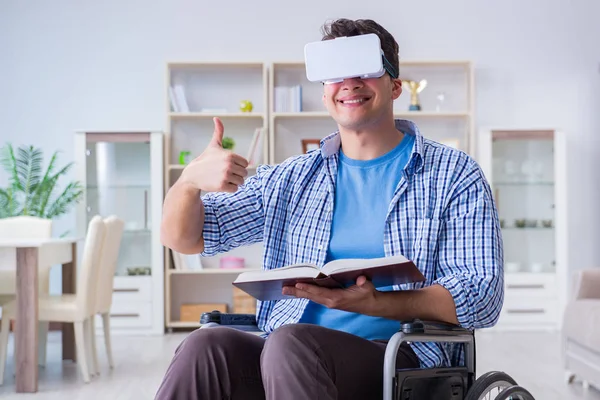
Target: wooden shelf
point(431, 114)
point(407, 114)
point(303, 114)
point(182, 324)
point(210, 115)
point(435, 63)
point(210, 271)
point(212, 64)
point(179, 167)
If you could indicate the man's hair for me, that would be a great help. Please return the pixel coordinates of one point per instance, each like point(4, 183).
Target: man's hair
point(347, 27)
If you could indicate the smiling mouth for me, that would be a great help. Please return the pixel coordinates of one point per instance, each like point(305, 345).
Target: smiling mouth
point(355, 101)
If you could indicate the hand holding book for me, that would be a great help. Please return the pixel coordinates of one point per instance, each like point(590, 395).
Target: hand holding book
point(361, 297)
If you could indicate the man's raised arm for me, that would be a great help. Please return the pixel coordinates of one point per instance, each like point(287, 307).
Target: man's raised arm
point(215, 170)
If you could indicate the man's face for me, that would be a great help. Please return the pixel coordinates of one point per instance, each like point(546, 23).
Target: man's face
point(357, 103)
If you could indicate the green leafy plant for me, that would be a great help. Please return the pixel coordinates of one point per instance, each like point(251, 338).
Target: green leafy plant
point(31, 191)
point(228, 143)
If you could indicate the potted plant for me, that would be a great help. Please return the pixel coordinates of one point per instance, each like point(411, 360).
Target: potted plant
point(34, 192)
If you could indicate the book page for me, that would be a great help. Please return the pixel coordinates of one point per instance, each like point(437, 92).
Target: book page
point(353, 264)
point(289, 271)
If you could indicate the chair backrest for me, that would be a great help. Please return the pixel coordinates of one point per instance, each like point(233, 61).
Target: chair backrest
point(108, 263)
point(21, 227)
point(88, 273)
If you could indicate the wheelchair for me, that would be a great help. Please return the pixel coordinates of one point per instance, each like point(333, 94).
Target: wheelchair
point(442, 383)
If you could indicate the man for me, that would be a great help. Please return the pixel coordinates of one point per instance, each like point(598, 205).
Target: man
point(375, 188)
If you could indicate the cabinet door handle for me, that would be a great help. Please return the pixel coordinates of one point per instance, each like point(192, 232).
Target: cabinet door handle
point(145, 209)
point(124, 315)
point(126, 290)
point(527, 311)
point(525, 286)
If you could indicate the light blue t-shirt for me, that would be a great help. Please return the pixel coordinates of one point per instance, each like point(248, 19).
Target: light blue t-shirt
point(363, 192)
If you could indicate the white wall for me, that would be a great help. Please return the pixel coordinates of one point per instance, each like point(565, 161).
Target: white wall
point(67, 65)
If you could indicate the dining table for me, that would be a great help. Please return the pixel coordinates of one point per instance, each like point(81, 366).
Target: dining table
point(31, 253)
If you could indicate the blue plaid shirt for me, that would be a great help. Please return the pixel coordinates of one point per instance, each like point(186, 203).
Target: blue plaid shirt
point(442, 216)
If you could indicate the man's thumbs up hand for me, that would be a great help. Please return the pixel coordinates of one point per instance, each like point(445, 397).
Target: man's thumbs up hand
point(216, 169)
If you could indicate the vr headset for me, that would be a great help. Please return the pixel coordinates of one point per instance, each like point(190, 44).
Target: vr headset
point(332, 61)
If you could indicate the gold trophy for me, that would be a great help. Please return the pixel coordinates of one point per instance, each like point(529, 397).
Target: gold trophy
point(415, 88)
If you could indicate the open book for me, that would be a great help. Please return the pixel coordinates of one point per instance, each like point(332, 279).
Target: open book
point(385, 271)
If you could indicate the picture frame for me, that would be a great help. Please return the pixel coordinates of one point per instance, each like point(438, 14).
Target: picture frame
point(310, 144)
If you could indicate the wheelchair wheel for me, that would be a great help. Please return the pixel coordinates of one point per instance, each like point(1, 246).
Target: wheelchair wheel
point(489, 386)
point(514, 393)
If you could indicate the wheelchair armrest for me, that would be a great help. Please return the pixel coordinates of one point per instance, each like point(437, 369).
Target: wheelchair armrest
point(418, 326)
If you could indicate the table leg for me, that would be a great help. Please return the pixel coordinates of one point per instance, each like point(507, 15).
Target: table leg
point(26, 339)
point(69, 285)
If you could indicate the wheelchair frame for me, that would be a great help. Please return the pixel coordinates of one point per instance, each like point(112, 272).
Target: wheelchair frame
point(410, 331)
point(425, 331)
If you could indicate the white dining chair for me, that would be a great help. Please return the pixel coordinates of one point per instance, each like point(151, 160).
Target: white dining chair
point(24, 227)
point(104, 290)
point(75, 308)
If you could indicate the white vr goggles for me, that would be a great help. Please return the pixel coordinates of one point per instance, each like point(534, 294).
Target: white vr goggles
point(332, 61)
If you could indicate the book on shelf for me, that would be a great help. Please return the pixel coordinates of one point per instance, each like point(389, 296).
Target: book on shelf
point(173, 100)
point(177, 99)
point(254, 156)
point(385, 271)
point(288, 98)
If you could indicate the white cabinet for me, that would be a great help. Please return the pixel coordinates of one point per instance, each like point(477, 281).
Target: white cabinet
point(132, 305)
point(122, 174)
point(527, 173)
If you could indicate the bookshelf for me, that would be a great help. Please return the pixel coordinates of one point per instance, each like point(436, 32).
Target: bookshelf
point(450, 121)
point(197, 92)
point(216, 89)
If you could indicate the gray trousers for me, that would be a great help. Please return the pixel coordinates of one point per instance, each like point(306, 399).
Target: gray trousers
point(297, 361)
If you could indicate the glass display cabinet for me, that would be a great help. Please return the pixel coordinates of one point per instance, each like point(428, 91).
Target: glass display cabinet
point(526, 170)
point(122, 175)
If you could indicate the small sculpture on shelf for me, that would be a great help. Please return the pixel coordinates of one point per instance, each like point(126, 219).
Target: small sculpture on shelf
point(139, 271)
point(439, 105)
point(531, 223)
point(228, 143)
point(246, 106)
point(415, 88)
point(184, 157)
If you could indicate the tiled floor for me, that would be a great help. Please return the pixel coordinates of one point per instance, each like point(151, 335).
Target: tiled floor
point(533, 359)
